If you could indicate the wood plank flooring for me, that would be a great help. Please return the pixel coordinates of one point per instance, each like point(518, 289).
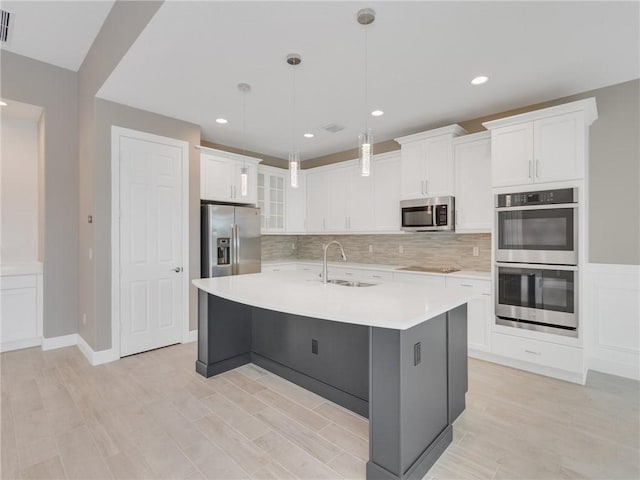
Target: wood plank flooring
point(151, 416)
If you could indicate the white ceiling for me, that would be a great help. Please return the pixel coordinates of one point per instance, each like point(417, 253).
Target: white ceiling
point(59, 33)
point(189, 60)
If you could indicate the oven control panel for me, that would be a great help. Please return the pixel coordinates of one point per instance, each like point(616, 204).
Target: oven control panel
point(543, 197)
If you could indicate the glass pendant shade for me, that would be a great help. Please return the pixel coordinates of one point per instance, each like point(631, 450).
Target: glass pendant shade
point(244, 181)
point(365, 152)
point(294, 167)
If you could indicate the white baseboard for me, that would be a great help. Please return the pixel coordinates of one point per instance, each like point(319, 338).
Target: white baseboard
point(95, 358)
point(60, 342)
point(19, 344)
point(193, 336)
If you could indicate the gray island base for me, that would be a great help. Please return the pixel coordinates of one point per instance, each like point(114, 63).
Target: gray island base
point(410, 383)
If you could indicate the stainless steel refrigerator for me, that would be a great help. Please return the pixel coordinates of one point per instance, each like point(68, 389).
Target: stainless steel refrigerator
point(230, 240)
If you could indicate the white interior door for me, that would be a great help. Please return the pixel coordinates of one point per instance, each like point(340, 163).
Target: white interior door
point(151, 283)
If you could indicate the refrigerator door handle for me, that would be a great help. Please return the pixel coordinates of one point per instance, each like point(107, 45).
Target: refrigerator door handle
point(235, 241)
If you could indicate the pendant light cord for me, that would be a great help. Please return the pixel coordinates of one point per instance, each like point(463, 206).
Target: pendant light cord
point(366, 86)
point(293, 114)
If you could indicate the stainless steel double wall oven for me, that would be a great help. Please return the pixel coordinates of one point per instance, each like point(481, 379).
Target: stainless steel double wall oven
point(536, 258)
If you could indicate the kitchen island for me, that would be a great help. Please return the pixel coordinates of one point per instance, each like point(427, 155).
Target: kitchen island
point(393, 352)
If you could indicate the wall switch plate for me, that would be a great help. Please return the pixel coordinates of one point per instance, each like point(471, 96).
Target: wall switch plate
point(401, 249)
point(476, 251)
point(370, 248)
point(314, 346)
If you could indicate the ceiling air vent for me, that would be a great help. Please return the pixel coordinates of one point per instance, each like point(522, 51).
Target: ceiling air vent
point(333, 128)
point(5, 21)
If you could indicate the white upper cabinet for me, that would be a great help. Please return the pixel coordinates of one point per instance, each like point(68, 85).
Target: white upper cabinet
point(360, 200)
point(474, 199)
point(338, 180)
point(220, 176)
point(547, 145)
point(271, 199)
point(317, 199)
point(558, 146)
point(296, 204)
point(427, 163)
point(386, 192)
point(512, 155)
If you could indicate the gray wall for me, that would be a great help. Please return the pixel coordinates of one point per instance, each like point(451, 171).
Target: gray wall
point(614, 168)
point(55, 90)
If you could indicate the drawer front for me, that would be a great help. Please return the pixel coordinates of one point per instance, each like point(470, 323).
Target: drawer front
point(278, 268)
point(17, 281)
point(481, 286)
point(548, 354)
point(343, 273)
point(376, 276)
point(310, 269)
point(430, 280)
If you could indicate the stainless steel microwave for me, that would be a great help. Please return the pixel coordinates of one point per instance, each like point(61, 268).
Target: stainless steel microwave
point(428, 214)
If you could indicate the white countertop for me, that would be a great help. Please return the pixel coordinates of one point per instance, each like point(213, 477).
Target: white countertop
point(479, 275)
point(393, 305)
point(30, 268)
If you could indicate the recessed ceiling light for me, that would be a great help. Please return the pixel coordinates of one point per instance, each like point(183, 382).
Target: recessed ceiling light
point(479, 80)
point(3, 104)
point(222, 121)
point(309, 135)
point(377, 113)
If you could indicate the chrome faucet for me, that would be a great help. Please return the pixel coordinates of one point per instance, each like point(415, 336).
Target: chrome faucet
point(324, 260)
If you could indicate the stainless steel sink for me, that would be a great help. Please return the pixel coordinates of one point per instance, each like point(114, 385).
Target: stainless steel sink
point(351, 283)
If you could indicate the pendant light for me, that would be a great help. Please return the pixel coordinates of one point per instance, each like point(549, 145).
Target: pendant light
point(366, 16)
point(244, 172)
point(293, 59)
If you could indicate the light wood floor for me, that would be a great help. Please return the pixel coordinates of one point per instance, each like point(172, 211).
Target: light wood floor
point(152, 416)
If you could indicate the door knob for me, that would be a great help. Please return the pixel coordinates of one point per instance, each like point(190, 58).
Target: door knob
point(177, 269)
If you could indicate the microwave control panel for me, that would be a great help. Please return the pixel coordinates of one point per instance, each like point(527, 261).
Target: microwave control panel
point(543, 197)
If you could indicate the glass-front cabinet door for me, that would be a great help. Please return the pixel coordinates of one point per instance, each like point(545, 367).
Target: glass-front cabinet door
point(271, 201)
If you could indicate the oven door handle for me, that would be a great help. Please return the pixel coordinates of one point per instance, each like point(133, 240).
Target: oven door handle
point(537, 207)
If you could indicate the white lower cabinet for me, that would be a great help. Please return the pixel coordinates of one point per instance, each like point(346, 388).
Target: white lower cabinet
point(422, 279)
point(21, 307)
point(546, 354)
point(479, 312)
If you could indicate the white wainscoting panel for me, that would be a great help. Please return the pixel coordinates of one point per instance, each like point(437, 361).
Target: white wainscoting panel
point(613, 319)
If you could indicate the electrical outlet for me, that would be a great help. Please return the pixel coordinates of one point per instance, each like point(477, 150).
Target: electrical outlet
point(293, 246)
point(401, 249)
point(84, 318)
point(370, 248)
point(476, 251)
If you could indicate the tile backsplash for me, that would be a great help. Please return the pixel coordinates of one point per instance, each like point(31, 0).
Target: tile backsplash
point(423, 249)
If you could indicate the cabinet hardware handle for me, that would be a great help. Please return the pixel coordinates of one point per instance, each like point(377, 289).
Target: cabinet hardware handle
point(530, 168)
point(230, 191)
point(537, 168)
point(376, 276)
point(486, 294)
point(532, 352)
point(465, 285)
